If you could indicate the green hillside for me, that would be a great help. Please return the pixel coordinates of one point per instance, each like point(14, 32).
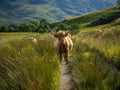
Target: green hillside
point(20, 11)
point(27, 13)
point(96, 57)
point(94, 18)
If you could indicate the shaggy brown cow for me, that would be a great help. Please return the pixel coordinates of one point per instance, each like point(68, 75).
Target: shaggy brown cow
point(63, 44)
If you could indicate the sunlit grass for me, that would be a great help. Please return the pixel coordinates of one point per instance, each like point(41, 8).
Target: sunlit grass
point(96, 58)
point(28, 66)
point(106, 42)
point(90, 71)
point(5, 37)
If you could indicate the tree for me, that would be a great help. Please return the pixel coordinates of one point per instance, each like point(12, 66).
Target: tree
point(62, 26)
point(34, 22)
point(74, 26)
point(118, 2)
point(33, 25)
point(44, 26)
point(4, 29)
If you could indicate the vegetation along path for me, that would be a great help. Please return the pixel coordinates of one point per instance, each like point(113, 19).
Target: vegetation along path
point(66, 82)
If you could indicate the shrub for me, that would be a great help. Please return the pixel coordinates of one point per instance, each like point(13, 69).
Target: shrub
point(104, 19)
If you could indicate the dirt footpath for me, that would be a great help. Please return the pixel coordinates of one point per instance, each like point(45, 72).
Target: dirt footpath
point(66, 82)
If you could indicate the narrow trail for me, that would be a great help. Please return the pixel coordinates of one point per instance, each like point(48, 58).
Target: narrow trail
point(66, 81)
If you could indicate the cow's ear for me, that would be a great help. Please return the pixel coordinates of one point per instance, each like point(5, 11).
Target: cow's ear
point(56, 35)
point(67, 34)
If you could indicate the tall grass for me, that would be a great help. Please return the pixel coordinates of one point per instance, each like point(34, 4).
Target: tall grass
point(90, 72)
point(28, 66)
point(107, 43)
point(6, 37)
point(96, 59)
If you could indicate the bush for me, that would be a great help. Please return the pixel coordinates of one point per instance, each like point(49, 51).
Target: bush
point(61, 26)
point(104, 19)
point(34, 26)
point(74, 26)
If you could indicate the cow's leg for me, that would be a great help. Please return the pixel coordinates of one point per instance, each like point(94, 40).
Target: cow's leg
point(61, 57)
point(66, 56)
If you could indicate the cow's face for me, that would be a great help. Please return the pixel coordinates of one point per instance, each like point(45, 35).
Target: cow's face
point(61, 34)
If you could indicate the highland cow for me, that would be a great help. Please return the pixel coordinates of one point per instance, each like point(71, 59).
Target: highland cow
point(63, 44)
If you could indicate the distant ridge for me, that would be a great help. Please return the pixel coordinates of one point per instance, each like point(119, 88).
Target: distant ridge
point(20, 11)
point(93, 19)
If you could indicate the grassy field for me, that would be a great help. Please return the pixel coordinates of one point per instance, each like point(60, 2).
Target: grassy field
point(96, 58)
point(5, 37)
point(28, 66)
point(94, 61)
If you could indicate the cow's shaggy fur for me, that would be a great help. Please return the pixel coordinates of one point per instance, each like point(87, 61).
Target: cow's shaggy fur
point(63, 44)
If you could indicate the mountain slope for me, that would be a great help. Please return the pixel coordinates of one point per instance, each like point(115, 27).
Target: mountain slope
point(93, 19)
point(20, 11)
